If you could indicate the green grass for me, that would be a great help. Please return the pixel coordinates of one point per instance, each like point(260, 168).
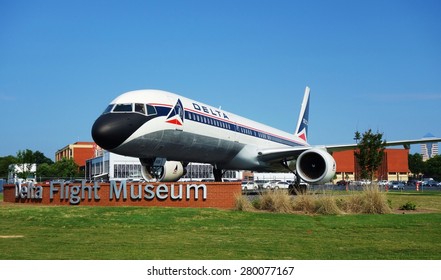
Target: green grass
point(425, 201)
point(56, 232)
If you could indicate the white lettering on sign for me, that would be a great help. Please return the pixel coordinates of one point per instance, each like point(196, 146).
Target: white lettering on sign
point(28, 191)
point(162, 191)
point(74, 194)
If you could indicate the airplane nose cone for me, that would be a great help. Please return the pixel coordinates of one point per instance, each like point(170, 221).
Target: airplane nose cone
point(111, 130)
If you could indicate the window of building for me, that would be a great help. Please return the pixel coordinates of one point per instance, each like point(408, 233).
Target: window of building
point(127, 171)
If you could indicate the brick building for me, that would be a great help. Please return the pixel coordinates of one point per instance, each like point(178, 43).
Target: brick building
point(78, 151)
point(395, 165)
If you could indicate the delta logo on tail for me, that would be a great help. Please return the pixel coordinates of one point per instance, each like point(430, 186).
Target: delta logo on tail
point(176, 115)
point(302, 125)
point(303, 129)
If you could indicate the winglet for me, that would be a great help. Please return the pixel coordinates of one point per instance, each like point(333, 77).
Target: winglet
point(302, 124)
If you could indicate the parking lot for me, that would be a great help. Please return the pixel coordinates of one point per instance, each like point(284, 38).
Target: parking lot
point(255, 188)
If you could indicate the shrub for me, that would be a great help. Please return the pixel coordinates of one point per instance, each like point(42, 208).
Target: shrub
point(243, 204)
point(408, 206)
point(374, 201)
point(370, 201)
point(305, 203)
point(276, 201)
point(326, 205)
point(353, 204)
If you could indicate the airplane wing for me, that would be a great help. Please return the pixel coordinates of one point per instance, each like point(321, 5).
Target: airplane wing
point(276, 154)
point(289, 153)
point(405, 143)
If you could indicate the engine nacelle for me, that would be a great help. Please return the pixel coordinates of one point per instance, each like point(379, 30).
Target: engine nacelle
point(316, 166)
point(171, 171)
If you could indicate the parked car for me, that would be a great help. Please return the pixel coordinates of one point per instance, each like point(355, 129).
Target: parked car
point(429, 183)
point(268, 185)
point(383, 183)
point(342, 183)
point(249, 186)
point(281, 185)
point(396, 185)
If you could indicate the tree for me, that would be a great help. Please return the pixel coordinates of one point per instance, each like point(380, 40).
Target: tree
point(433, 168)
point(45, 171)
point(65, 168)
point(369, 153)
point(416, 164)
point(40, 158)
point(4, 165)
point(25, 160)
point(357, 136)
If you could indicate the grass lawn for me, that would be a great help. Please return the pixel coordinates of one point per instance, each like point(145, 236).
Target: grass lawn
point(81, 232)
point(427, 201)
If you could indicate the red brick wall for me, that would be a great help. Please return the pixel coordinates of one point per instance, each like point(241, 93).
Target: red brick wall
point(83, 154)
point(397, 160)
point(218, 195)
point(345, 161)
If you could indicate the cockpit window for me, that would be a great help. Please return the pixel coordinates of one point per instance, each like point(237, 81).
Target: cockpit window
point(151, 110)
point(140, 108)
point(108, 109)
point(130, 107)
point(123, 108)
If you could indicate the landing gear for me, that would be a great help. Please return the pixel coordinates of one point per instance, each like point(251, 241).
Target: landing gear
point(152, 168)
point(218, 173)
point(295, 188)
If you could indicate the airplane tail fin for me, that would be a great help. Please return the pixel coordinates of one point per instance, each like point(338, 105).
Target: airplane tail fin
point(302, 124)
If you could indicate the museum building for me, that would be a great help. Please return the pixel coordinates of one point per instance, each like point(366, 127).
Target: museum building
point(395, 166)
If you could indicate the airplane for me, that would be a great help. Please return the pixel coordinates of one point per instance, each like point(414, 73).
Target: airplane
point(167, 131)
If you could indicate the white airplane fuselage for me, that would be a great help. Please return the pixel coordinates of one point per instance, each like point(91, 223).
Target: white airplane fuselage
point(167, 131)
point(190, 131)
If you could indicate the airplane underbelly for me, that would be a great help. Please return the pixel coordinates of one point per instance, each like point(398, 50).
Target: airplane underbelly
point(198, 148)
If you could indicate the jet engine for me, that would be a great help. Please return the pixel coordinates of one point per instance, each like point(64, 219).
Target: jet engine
point(170, 171)
point(316, 166)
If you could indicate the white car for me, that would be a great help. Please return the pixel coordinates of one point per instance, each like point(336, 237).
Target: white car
point(268, 185)
point(383, 183)
point(249, 186)
point(281, 185)
point(397, 185)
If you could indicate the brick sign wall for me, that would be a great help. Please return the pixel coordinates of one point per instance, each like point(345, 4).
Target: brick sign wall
point(178, 194)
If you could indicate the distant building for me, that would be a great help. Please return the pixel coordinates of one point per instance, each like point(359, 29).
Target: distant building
point(273, 176)
point(18, 171)
point(78, 151)
point(204, 171)
point(109, 166)
point(429, 150)
point(395, 165)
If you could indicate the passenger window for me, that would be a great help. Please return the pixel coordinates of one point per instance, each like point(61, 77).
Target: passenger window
point(108, 109)
point(140, 108)
point(123, 108)
point(151, 110)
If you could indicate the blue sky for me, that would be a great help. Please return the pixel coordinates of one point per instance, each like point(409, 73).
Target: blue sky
point(370, 64)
